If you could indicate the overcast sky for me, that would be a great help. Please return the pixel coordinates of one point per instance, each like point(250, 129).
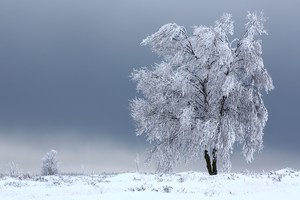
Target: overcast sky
point(64, 78)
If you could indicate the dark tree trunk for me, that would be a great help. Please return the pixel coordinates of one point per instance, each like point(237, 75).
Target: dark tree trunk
point(208, 164)
point(211, 168)
point(214, 162)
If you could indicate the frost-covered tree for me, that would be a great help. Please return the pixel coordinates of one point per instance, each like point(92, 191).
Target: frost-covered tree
point(13, 169)
point(137, 163)
point(49, 163)
point(205, 95)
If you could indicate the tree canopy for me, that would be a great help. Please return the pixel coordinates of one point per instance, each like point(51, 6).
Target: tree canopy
point(204, 94)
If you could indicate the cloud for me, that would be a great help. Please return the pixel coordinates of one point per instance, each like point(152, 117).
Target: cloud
point(95, 154)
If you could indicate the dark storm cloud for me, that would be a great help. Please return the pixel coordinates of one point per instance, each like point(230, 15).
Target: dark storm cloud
point(64, 67)
point(59, 69)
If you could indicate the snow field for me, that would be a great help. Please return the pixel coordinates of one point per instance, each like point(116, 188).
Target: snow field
point(188, 185)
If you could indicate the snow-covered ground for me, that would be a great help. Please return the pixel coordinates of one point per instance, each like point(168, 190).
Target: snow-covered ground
point(274, 185)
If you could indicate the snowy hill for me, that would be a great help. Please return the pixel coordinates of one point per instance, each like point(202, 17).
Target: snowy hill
point(192, 185)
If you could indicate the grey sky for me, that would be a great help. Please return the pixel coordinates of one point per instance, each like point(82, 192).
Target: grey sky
point(64, 67)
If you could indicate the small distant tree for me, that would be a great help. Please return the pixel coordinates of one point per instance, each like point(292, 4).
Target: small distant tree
point(205, 95)
point(49, 163)
point(14, 169)
point(137, 162)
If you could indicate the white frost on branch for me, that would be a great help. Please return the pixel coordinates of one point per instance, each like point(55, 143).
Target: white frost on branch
point(205, 93)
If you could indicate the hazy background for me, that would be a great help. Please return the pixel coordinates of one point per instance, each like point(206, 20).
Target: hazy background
point(64, 85)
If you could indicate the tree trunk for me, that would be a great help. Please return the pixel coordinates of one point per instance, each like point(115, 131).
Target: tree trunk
point(214, 162)
point(211, 168)
point(208, 164)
